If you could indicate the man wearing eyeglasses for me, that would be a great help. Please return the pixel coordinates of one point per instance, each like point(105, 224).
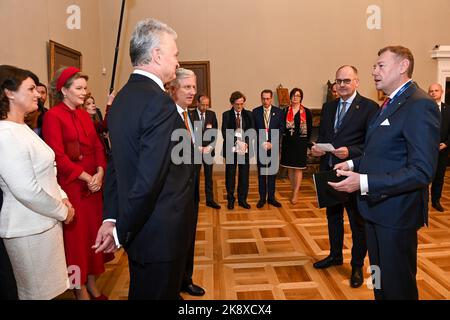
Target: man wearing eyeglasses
point(343, 123)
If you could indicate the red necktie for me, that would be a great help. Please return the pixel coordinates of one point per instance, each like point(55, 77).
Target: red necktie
point(238, 120)
point(384, 105)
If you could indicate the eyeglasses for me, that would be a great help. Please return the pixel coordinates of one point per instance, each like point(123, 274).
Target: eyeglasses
point(343, 81)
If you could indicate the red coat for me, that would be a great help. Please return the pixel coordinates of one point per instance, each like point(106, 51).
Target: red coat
point(61, 128)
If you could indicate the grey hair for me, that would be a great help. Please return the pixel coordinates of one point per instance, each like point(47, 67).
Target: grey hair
point(146, 36)
point(181, 73)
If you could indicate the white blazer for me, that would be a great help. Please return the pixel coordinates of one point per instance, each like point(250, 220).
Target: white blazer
point(31, 194)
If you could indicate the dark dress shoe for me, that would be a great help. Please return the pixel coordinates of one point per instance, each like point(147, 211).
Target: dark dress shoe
point(328, 262)
point(260, 203)
point(244, 204)
point(357, 278)
point(437, 206)
point(213, 204)
point(274, 202)
point(230, 205)
point(193, 290)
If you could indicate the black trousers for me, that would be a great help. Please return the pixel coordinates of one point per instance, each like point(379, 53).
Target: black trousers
point(335, 217)
point(230, 181)
point(393, 256)
point(208, 171)
point(189, 266)
point(156, 281)
point(438, 182)
point(8, 287)
point(266, 185)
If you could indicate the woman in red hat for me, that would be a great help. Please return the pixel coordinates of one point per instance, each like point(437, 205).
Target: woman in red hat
point(80, 161)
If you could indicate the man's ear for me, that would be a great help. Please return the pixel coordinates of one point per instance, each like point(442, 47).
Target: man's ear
point(404, 65)
point(156, 55)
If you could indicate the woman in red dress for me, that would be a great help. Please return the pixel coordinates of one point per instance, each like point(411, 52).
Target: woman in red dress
point(80, 161)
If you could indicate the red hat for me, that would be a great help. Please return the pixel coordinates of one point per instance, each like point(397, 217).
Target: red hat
point(66, 75)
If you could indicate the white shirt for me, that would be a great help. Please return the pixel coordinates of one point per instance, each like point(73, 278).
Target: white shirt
point(151, 76)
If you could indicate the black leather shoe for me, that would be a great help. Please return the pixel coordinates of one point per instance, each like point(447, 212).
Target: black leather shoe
point(213, 204)
point(230, 205)
point(244, 204)
point(260, 203)
point(193, 290)
point(274, 202)
point(357, 278)
point(328, 262)
point(437, 206)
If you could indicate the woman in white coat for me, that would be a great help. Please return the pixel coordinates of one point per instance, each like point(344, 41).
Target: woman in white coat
point(33, 203)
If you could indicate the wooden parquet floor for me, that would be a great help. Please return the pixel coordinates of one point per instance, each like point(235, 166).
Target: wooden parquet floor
point(268, 253)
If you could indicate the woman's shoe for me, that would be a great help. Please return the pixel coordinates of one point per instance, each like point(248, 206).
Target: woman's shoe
point(100, 297)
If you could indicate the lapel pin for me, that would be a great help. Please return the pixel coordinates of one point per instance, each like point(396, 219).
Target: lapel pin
point(357, 106)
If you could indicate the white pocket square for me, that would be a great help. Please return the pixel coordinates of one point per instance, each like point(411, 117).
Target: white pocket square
point(385, 123)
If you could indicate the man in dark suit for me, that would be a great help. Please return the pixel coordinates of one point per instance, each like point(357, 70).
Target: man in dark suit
point(393, 174)
point(268, 120)
point(8, 287)
point(435, 91)
point(237, 148)
point(183, 90)
point(149, 189)
point(208, 130)
point(343, 123)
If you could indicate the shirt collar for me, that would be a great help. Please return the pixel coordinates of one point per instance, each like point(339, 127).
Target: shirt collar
point(349, 100)
point(151, 76)
point(392, 95)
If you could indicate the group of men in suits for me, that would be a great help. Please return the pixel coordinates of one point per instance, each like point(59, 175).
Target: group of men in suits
point(151, 201)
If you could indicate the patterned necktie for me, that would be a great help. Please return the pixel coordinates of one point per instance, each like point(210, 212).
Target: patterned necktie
point(266, 118)
point(186, 122)
point(202, 118)
point(384, 105)
point(238, 120)
point(341, 114)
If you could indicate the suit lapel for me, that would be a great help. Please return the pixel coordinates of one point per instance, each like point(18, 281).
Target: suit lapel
point(392, 108)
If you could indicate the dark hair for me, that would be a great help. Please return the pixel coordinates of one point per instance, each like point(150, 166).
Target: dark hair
point(236, 95)
point(267, 91)
point(293, 91)
point(10, 79)
point(201, 96)
point(40, 84)
point(403, 53)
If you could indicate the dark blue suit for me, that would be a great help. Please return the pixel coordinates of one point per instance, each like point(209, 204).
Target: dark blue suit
point(351, 134)
point(400, 156)
point(438, 182)
point(266, 183)
point(150, 196)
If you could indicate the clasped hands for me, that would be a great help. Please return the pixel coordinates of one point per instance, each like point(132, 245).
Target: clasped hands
point(105, 238)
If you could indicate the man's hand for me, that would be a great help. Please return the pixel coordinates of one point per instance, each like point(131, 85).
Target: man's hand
point(342, 166)
point(105, 238)
point(341, 153)
point(442, 146)
point(316, 151)
point(350, 184)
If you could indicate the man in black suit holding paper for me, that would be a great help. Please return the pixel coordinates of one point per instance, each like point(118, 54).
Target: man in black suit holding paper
point(149, 189)
point(343, 123)
point(237, 149)
point(435, 91)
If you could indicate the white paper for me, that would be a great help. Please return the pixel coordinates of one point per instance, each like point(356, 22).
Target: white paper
point(327, 147)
